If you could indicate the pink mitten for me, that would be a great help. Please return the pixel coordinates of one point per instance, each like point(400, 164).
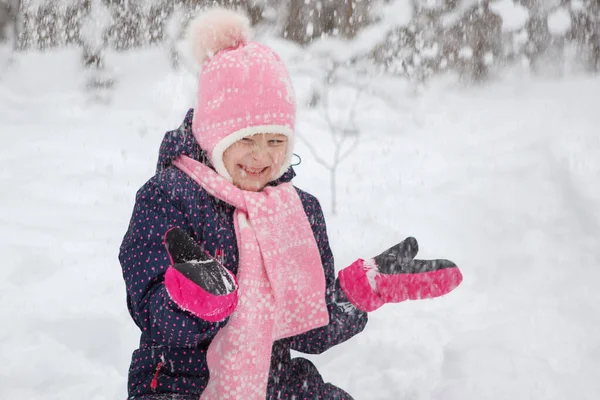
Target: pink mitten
point(196, 282)
point(395, 276)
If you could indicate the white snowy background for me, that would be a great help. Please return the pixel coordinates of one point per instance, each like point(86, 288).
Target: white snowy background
point(503, 179)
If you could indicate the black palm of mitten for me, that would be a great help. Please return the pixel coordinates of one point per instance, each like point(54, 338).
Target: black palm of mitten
point(196, 265)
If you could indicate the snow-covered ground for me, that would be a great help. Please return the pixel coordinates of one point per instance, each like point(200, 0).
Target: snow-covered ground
point(501, 179)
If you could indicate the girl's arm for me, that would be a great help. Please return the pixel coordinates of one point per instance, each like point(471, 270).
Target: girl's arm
point(345, 320)
point(144, 260)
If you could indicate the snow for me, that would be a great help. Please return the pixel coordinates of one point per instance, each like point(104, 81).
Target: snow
point(514, 16)
point(395, 13)
point(95, 25)
point(34, 5)
point(559, 22)
point(466, 53)
point(577, 5)
point(174, 24)
point(502, 179)
point(388, 16)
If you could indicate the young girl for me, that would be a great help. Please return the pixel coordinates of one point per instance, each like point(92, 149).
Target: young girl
point(227, 264)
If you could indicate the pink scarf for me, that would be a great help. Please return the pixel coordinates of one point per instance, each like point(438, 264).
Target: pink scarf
point(281, 283)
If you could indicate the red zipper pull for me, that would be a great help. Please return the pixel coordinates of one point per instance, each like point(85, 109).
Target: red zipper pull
point(154, 382)
point(219, 255)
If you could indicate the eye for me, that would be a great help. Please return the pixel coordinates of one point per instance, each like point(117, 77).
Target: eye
point(246, 140)
point(277, 140)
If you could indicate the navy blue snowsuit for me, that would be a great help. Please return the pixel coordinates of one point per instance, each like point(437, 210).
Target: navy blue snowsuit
point(170, 362)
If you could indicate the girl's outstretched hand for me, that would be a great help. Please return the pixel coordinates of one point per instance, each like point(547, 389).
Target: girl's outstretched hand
point(197, 282)
point(395, 276)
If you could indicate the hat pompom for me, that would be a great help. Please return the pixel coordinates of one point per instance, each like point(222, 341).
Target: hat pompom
point(217, 29)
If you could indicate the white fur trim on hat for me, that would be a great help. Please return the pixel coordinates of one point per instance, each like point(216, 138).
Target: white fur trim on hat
point(216, 29)
point(223, 144)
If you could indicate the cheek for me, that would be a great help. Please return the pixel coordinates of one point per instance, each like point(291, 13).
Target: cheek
point(232, 156)
point(279, 156)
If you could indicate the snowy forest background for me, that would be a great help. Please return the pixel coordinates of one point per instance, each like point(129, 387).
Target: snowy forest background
point(417, 38)
point(469, 124)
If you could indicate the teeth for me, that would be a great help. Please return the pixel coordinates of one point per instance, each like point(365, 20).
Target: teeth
point(253, 172)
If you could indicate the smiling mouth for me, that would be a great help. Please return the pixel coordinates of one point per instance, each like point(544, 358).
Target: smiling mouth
point(255, 172)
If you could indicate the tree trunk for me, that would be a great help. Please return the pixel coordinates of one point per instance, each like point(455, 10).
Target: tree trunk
point(296, 24)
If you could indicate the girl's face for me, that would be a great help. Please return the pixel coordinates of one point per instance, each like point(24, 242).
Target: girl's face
point(253, 161)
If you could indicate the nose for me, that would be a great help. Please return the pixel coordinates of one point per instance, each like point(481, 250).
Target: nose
point(261, 154)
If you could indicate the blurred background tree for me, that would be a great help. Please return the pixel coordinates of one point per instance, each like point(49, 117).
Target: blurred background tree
point(470, 37)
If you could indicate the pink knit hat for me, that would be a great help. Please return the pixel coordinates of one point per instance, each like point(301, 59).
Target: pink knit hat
point(243, 88)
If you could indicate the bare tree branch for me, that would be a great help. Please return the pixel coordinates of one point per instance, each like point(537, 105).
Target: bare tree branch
point(314, 152)
point(340, 135)
point(350, 150)
point(351, 121)
point(352, 111)
point(325, 100)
